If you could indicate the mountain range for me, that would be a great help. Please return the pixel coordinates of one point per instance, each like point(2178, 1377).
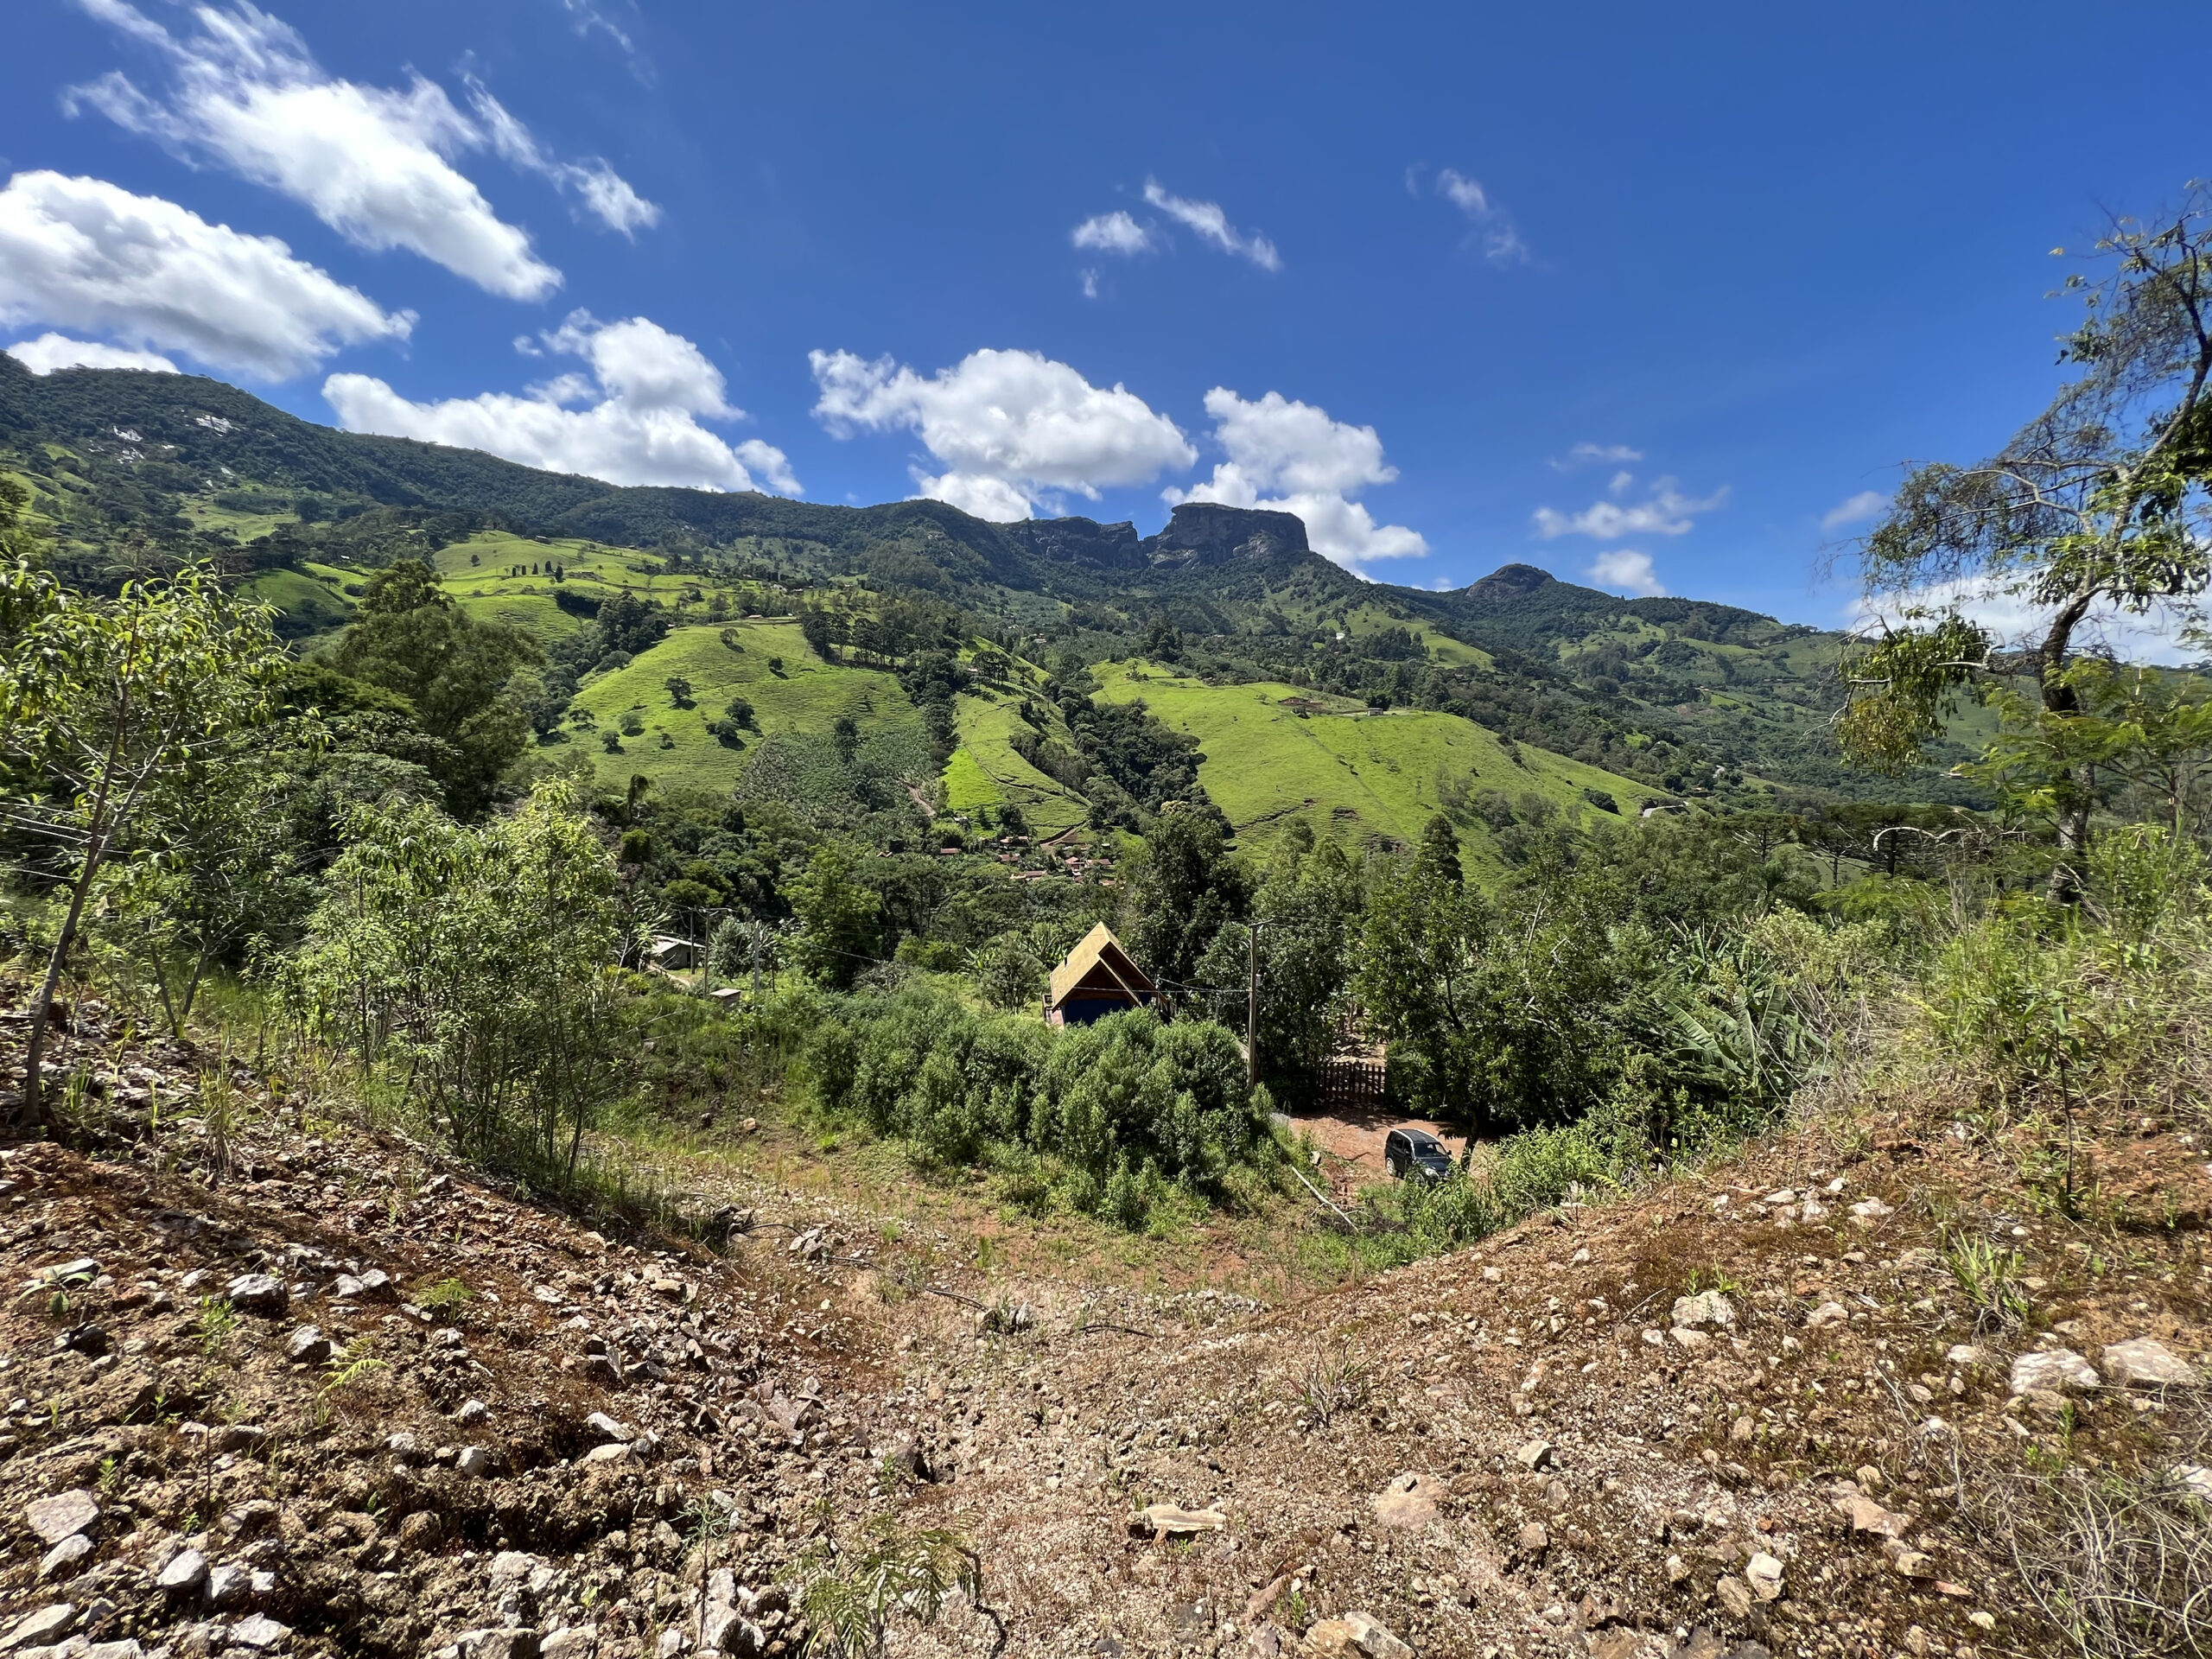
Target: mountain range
point(1687, 696)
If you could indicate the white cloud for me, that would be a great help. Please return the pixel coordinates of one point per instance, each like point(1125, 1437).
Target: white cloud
point(1861, 507)
point(1012, 429)
point(82, 253)
point(1586, 453)
point(51, 351)
point(1628, 571)
point(1114, 232)
point(1668, 513)
point(643, 401)
point(1291, 457)
point(374, 164)
point(1493, 228)
point(605, 194)
point(1619, 483)
point(1211, 224)
point(1090, 285)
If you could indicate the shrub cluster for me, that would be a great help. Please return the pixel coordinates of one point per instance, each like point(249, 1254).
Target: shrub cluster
point(1110, 1119)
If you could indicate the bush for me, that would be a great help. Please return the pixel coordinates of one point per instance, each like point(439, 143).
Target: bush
point(1113, 1119)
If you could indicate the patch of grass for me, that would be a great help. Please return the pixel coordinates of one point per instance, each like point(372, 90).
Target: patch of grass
point(797, 710)
point(1331, 1382)
point(212, 1329)
point(1346, 772)
point(443, 1295)
point(1989, 1278)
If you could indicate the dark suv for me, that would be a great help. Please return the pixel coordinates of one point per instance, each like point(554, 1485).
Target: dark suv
point(1415, 1155)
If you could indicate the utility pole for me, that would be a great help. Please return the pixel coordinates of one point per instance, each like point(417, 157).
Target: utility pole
point(1252, 1005)
point(756, 959)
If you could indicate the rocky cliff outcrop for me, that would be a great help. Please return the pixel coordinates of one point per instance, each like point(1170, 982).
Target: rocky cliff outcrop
point(1204, 533)
point(1081, 541)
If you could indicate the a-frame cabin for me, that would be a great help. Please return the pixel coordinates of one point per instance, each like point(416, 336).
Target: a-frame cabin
point(1098, 978)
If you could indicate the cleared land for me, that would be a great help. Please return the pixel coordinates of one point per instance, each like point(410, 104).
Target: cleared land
point(1351, 773)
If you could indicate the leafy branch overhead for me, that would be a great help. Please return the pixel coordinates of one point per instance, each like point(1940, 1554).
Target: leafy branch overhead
point(2097, 508)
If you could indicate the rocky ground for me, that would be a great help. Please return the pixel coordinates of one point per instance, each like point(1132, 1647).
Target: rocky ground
point(279, 1392)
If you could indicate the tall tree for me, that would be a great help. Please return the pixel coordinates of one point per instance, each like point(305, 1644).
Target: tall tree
point(2097, 505)
point(103, 704)
point(1183, 888)
point(409, 637)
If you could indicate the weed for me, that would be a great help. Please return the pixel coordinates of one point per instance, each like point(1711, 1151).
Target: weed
point(1989, 1277)
point(853, 1590)
point(216, 1320)
point(110, 1475)
point(1715, 1277)
point(1331, 1382)
point(443, 1295)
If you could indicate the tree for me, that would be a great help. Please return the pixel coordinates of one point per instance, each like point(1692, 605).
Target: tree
point(103, 704)
point(846, 734)
point(1310, 906)
point(484, 959)
point(741, 712)
point(840, 916)
point(407, 637)
point(2098, 505)
point(679, 690)
point(1183, 888)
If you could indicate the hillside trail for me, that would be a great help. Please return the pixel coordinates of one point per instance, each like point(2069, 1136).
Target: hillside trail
point(314, 1389)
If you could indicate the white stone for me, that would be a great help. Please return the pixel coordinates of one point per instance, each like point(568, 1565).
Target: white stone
point(1871, 1209)
point(1707, 1307)
point(59, 1561)
point(186, 1572)
point(43, 1628)
point(1828, 1313)
point(261, 1632)
point(1967, 1357)
point(473, 1460)
point(2056, 1370)
point(62, 1517)
point(227, 1585)
point(600, 1422)
point(1763, 1573)
point(2147, 1363)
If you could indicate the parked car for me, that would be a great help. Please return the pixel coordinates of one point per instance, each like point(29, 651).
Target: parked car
point(1415, 1155)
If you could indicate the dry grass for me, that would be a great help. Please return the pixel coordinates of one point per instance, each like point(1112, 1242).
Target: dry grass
point(2115, 1564)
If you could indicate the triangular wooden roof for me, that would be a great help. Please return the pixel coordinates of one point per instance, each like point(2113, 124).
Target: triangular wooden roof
point(1100, 949)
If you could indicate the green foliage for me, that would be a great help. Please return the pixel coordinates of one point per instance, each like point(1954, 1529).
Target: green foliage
point(1183, 888)
point(1121, 1113)
point(840, 917)
point(112, 711)
point(407, 637)
point(482, 962)
point(891, 1568)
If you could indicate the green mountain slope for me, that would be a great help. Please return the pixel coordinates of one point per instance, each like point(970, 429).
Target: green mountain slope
point(1676, 697)
point(1276, 755)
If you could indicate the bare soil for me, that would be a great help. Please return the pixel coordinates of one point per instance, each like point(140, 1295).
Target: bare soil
point(1525, 1448)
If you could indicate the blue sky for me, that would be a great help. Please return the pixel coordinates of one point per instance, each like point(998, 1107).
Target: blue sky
point(1652, 292)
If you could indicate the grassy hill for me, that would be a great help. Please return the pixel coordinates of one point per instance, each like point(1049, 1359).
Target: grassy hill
point(1355, 774)
point(795, 705)
point(1684, 696)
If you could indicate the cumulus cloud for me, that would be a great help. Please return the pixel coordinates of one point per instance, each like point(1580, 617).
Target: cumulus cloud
point(1867, 504)
point(1628, 572)
point(1210, 224)
point(82, 253)
point(1114, 232)
point(1291, 457)
point(1012, 429)
point(50, 352)
point(373, 163)
point(1666, 512)
point(639, 424)
point(1494, 229)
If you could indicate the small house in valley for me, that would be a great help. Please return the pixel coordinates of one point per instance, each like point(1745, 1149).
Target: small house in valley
point(1098, 978)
